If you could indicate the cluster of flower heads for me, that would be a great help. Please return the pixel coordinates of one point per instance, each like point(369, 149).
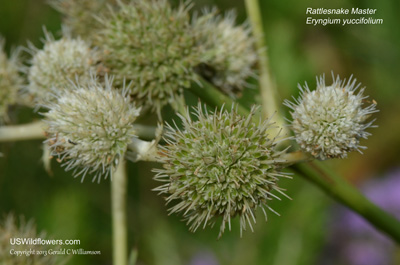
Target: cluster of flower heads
point(11, 229)
point(161, 49)
point(10, 80)
point(329, 121)
point(90, 127)
point(221, 165)
point(228, 53)
point(58, 64)
point(148, 43)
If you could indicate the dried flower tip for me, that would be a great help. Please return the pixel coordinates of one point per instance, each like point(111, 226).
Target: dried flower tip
point(151, 44)
point(90, 129)
point(10, 231)
point(329, 121)
point(222, 165)
point(59, 62)
point(10, 80)
point(228, 53)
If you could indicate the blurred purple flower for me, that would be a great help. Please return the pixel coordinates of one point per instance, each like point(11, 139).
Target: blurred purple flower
point(204, 258)
point(354, 241)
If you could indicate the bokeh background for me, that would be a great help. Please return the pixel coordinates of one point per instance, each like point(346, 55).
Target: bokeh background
point(312, 228)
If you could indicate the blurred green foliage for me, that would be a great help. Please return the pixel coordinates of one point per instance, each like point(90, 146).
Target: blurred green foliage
point(68, 209)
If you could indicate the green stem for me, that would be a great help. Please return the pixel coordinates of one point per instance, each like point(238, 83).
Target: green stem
point(343, 192)
point(30, 131)
point(36, 131)
point(119, 216)
point(146, 132)
point(267, 89)
point(296, 157)
point(212, 96)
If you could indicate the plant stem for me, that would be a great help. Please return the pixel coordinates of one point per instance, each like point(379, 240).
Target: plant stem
point(340, 190)
point(296, 157)
point(30, 131)
point(119, 216)
point(146, 132)
point(212, 96)
point(35, 131)
point(267, 89)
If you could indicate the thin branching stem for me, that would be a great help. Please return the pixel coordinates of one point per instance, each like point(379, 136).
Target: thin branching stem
point(296, 157)
point(210, 95)
point(268, 91)
point(119, 216)
point(30, 131)
point(340, 190)
point(36, 131)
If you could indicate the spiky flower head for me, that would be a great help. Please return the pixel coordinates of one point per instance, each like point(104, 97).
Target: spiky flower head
point(79, 15)
point(151, 44)
point(10, 229)
point(90, 127)
point(228, 50)
point(329, 121)
point(222, 165)
point(59, 63)
point(10, 80)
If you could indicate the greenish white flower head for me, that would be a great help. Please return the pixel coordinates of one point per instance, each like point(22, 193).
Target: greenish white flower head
point(79, 15)
point(10, 80)
point(228, 51)
point(11, 229)
point(57, 64)
point(328, 122)
point(221, 166)
point(151, 44)
point(90, 127)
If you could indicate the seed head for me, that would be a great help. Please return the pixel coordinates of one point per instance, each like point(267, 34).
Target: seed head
point(90, 127)
point(228, 53)
point(329, 121)
point(10, 80)
point(57, 64)
point(10, 229)
point(151, 44)
point(222, 165)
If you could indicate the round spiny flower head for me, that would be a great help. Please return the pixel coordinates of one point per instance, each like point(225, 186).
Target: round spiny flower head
point(90, 127)
point(10, 229)
point(57, 64)
point(228, 53)
point(222, 165)
point(10, 80)
point(79, 15)
point(151, 44)
point(329, 121)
